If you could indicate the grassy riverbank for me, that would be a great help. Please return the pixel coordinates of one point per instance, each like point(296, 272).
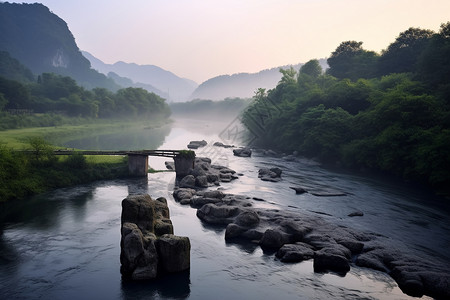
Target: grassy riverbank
point(19, 138)
point(23, 175)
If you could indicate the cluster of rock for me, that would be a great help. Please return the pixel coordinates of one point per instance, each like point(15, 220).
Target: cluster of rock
point(197, 144)
point(272, 174)
point(204, 174)
point(296, 237)
point(242, 152)
point(148, 246)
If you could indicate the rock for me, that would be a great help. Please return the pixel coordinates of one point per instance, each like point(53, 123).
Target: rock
point(356, 214)
point(174, 253)
point(273, 238)
point(233, 231)
point(295, 252)
point(214, 214)
point(144, 223)
point(200, 201)
point(298, 190)
point(201, 181)
point(247, 219)
point(196, 144)
point(219, 144)
point(139, 209)
point(183, 193)
point(328, 262)
point(214, 194)
point(170, 165)
point(187, 182)
point(199, 170)
point(331, 259)
point(272, 174)
point(242, 152)
point(138, 256)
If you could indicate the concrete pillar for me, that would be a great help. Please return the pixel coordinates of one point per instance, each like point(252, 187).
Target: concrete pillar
point(183, 165)
point(137, 165)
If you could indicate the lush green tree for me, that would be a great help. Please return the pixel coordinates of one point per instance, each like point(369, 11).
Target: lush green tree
point(402, 55)
point(434, 62)
point(311, 68)
point(17, 95)
point(350, 60)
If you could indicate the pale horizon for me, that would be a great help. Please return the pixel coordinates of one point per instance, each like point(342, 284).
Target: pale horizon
point(199, 40)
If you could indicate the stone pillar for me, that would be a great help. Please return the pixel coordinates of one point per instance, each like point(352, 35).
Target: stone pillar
point(137, 165)
point(183, 165)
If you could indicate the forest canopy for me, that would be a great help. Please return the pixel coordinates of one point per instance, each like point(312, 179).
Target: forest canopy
point(387, 112)
point(44, 101)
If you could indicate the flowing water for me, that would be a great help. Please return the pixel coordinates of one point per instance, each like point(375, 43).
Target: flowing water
point(66, 244)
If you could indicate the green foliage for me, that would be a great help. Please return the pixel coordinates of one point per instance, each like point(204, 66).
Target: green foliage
point(186, 154)
point(350, 60)
point(311, 68)
point(22, 175)
point(53, 98)
point(397, 123)
point(11, 68)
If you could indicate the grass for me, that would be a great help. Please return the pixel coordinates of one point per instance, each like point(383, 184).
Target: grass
point(17, 139)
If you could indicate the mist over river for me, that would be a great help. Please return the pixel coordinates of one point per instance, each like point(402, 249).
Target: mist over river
point(65, 244)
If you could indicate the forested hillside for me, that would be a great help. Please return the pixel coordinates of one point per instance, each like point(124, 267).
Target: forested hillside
point(42, 42)
point(53, 99)
point(388, 112)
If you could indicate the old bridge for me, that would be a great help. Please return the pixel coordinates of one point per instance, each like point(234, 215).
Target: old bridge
point(138, 159)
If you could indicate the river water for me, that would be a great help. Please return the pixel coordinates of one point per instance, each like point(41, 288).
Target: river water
point(66, 244)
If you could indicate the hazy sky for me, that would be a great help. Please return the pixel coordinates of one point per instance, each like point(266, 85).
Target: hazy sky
point(200, 39)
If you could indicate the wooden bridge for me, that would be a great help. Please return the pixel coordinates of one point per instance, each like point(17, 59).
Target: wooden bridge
point(138, 159)
point(164, 153)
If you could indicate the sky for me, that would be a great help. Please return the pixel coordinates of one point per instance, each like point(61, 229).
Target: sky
point(201, 39)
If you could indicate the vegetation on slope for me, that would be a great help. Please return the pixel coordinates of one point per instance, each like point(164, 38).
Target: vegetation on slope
point(388, 112)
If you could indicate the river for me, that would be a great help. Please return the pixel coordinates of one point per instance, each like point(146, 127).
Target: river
point(65, 244)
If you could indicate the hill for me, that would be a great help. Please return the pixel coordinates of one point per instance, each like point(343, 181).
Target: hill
point(241, 85)
point(42, 42)
point(170, 86)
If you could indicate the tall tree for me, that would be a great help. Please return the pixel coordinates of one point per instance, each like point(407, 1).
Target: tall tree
point(311, 68)
point(402, 55)
point(350, 60)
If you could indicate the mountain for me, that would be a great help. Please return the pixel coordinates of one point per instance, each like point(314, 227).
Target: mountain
point(242, 85)
point(171, 87)
point(127, 82)
point(12, 69)
point(42, 42)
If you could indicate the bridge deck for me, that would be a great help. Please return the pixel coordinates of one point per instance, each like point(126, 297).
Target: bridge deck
point(164, 153)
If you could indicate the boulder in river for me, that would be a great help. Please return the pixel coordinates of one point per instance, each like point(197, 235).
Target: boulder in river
point(147, 240)
point(196, 144)
point(272, 174)
point(242, 152)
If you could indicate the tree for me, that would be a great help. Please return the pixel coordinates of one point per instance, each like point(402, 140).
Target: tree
point(311, 68)
point(434, 62)
point(350, 60)
point(402, 55)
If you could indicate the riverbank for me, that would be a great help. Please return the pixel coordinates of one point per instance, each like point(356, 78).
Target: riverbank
point(23, 175)
point(58, 135)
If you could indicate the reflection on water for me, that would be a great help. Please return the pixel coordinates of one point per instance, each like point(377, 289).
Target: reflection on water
point(129, 139)
point(66, 244)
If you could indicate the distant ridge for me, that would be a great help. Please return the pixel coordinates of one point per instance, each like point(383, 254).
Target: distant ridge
point(165, 83)
point(241, 85)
